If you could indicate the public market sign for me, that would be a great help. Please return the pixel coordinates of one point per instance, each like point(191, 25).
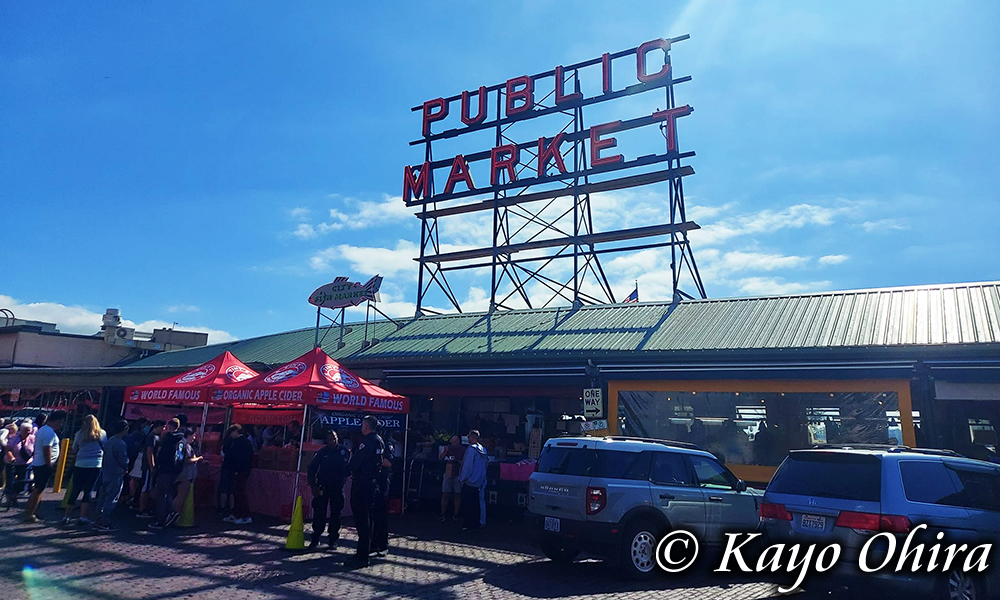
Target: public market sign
point(342, 293)
point(526, 97)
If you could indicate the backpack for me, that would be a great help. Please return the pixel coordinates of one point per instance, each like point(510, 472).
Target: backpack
point(170, 459)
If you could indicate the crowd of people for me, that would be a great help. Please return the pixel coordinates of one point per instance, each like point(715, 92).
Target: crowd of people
point(150, 466)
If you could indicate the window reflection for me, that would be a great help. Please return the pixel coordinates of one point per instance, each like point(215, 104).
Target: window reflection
point(755, 428)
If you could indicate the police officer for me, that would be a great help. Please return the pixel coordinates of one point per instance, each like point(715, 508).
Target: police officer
point(366, 472)
point(327, 472)
point(380, 511)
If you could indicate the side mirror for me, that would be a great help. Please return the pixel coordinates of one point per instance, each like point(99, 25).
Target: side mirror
point(741, 486)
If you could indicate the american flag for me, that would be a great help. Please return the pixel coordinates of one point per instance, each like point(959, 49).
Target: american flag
point(633, 297)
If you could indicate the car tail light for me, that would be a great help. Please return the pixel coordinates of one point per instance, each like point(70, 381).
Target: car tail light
point(774, 511)
point(597, 499)
point(857, 520)
point(894, 524)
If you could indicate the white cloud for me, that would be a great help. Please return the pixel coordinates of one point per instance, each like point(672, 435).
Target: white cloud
point(80, 320)
point(757, 261)
point(769, 221)
point(353, 214)
point(304, 231)
point(884, 225)
point(775, 286)
point(833, 259)
point(361, 214)
point(178, 308)
point(387, 262)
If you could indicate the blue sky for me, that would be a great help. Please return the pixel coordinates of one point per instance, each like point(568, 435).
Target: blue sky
point(211, 164)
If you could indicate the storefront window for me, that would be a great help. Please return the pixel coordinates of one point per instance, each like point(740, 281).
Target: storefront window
point(754, 428)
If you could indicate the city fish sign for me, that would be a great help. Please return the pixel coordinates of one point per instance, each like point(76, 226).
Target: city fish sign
point(519, 98)
point(342, 293)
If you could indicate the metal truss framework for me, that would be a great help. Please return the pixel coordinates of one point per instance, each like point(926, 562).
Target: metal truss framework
point(532, 232)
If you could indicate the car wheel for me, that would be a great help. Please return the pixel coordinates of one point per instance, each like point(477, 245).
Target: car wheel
point(959, 585)
point(558, 553)
point(638, 551)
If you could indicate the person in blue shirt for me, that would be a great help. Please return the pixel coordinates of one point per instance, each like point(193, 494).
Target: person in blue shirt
point(473, 480)
point(113, 469)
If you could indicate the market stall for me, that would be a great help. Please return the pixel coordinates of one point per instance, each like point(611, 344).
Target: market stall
point(319, 393)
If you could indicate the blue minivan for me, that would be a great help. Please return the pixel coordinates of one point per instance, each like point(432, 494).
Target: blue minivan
point(846, 495)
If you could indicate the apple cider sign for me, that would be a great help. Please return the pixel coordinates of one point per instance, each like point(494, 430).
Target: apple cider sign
point(542, 159)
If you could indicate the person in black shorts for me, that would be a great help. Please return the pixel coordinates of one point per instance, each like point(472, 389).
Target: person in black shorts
point(44, 461)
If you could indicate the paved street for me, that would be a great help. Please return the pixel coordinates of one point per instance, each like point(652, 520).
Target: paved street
point(428, 560)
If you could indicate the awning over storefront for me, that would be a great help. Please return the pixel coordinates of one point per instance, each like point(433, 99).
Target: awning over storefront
point(194, 386)
point(314, 379)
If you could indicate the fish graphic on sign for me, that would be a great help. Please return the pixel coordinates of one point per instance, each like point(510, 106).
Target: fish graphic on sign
point(342, 293)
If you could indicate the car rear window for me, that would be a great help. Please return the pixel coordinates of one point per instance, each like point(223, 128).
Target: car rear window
point(830, 475)
point(588, 462)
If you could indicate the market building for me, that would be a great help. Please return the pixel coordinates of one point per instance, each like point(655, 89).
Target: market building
point(746, 378)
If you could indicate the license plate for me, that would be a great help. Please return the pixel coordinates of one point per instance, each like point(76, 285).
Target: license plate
point(552, 524)
point(814, 522)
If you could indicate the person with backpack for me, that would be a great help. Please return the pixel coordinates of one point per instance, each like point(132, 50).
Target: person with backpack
point(189, 472)
point(168, 465)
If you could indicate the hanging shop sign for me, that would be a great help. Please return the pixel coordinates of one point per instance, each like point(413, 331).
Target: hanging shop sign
point(341, 420)
point(341, 293)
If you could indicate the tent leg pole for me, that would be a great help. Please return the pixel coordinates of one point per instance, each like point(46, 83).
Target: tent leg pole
point(302, 441)
point(406, 473)
point(204, 421)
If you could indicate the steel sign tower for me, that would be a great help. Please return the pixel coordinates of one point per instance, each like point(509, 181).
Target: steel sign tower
point(542, 180)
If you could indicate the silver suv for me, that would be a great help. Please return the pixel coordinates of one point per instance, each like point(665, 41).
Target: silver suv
point(617, 496)
point(844, 495)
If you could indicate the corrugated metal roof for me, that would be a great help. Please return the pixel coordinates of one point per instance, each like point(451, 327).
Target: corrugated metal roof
point(275, 349)
point(890, 317)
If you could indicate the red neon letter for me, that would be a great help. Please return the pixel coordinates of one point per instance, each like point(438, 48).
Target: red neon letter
point(597, 144)
point(429, 116)
point(640, 60)
point(527, 93)
point(562, 97)
point(459, 172)
point(670, 116)
point(481, 115)
point(497, 163)
point(545, 153)
point(418, 187)
point(606, 69)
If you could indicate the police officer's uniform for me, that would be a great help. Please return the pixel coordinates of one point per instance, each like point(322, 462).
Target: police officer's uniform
point(327, 473)
point(366, 470)
point(380, 510)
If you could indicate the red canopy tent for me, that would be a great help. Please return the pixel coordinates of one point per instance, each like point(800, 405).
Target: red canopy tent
point(192, 387)
point(313, 380)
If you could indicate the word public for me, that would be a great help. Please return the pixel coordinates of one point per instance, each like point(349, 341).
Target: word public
point(519, 102)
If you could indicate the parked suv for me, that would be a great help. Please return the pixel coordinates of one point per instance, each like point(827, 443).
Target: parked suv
point(844, 495)
point(617, 496)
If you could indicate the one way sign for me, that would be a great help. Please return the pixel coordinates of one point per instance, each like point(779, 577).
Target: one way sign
point(593, 403)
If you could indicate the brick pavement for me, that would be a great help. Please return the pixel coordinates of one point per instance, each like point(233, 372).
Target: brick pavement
point(428, 560)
